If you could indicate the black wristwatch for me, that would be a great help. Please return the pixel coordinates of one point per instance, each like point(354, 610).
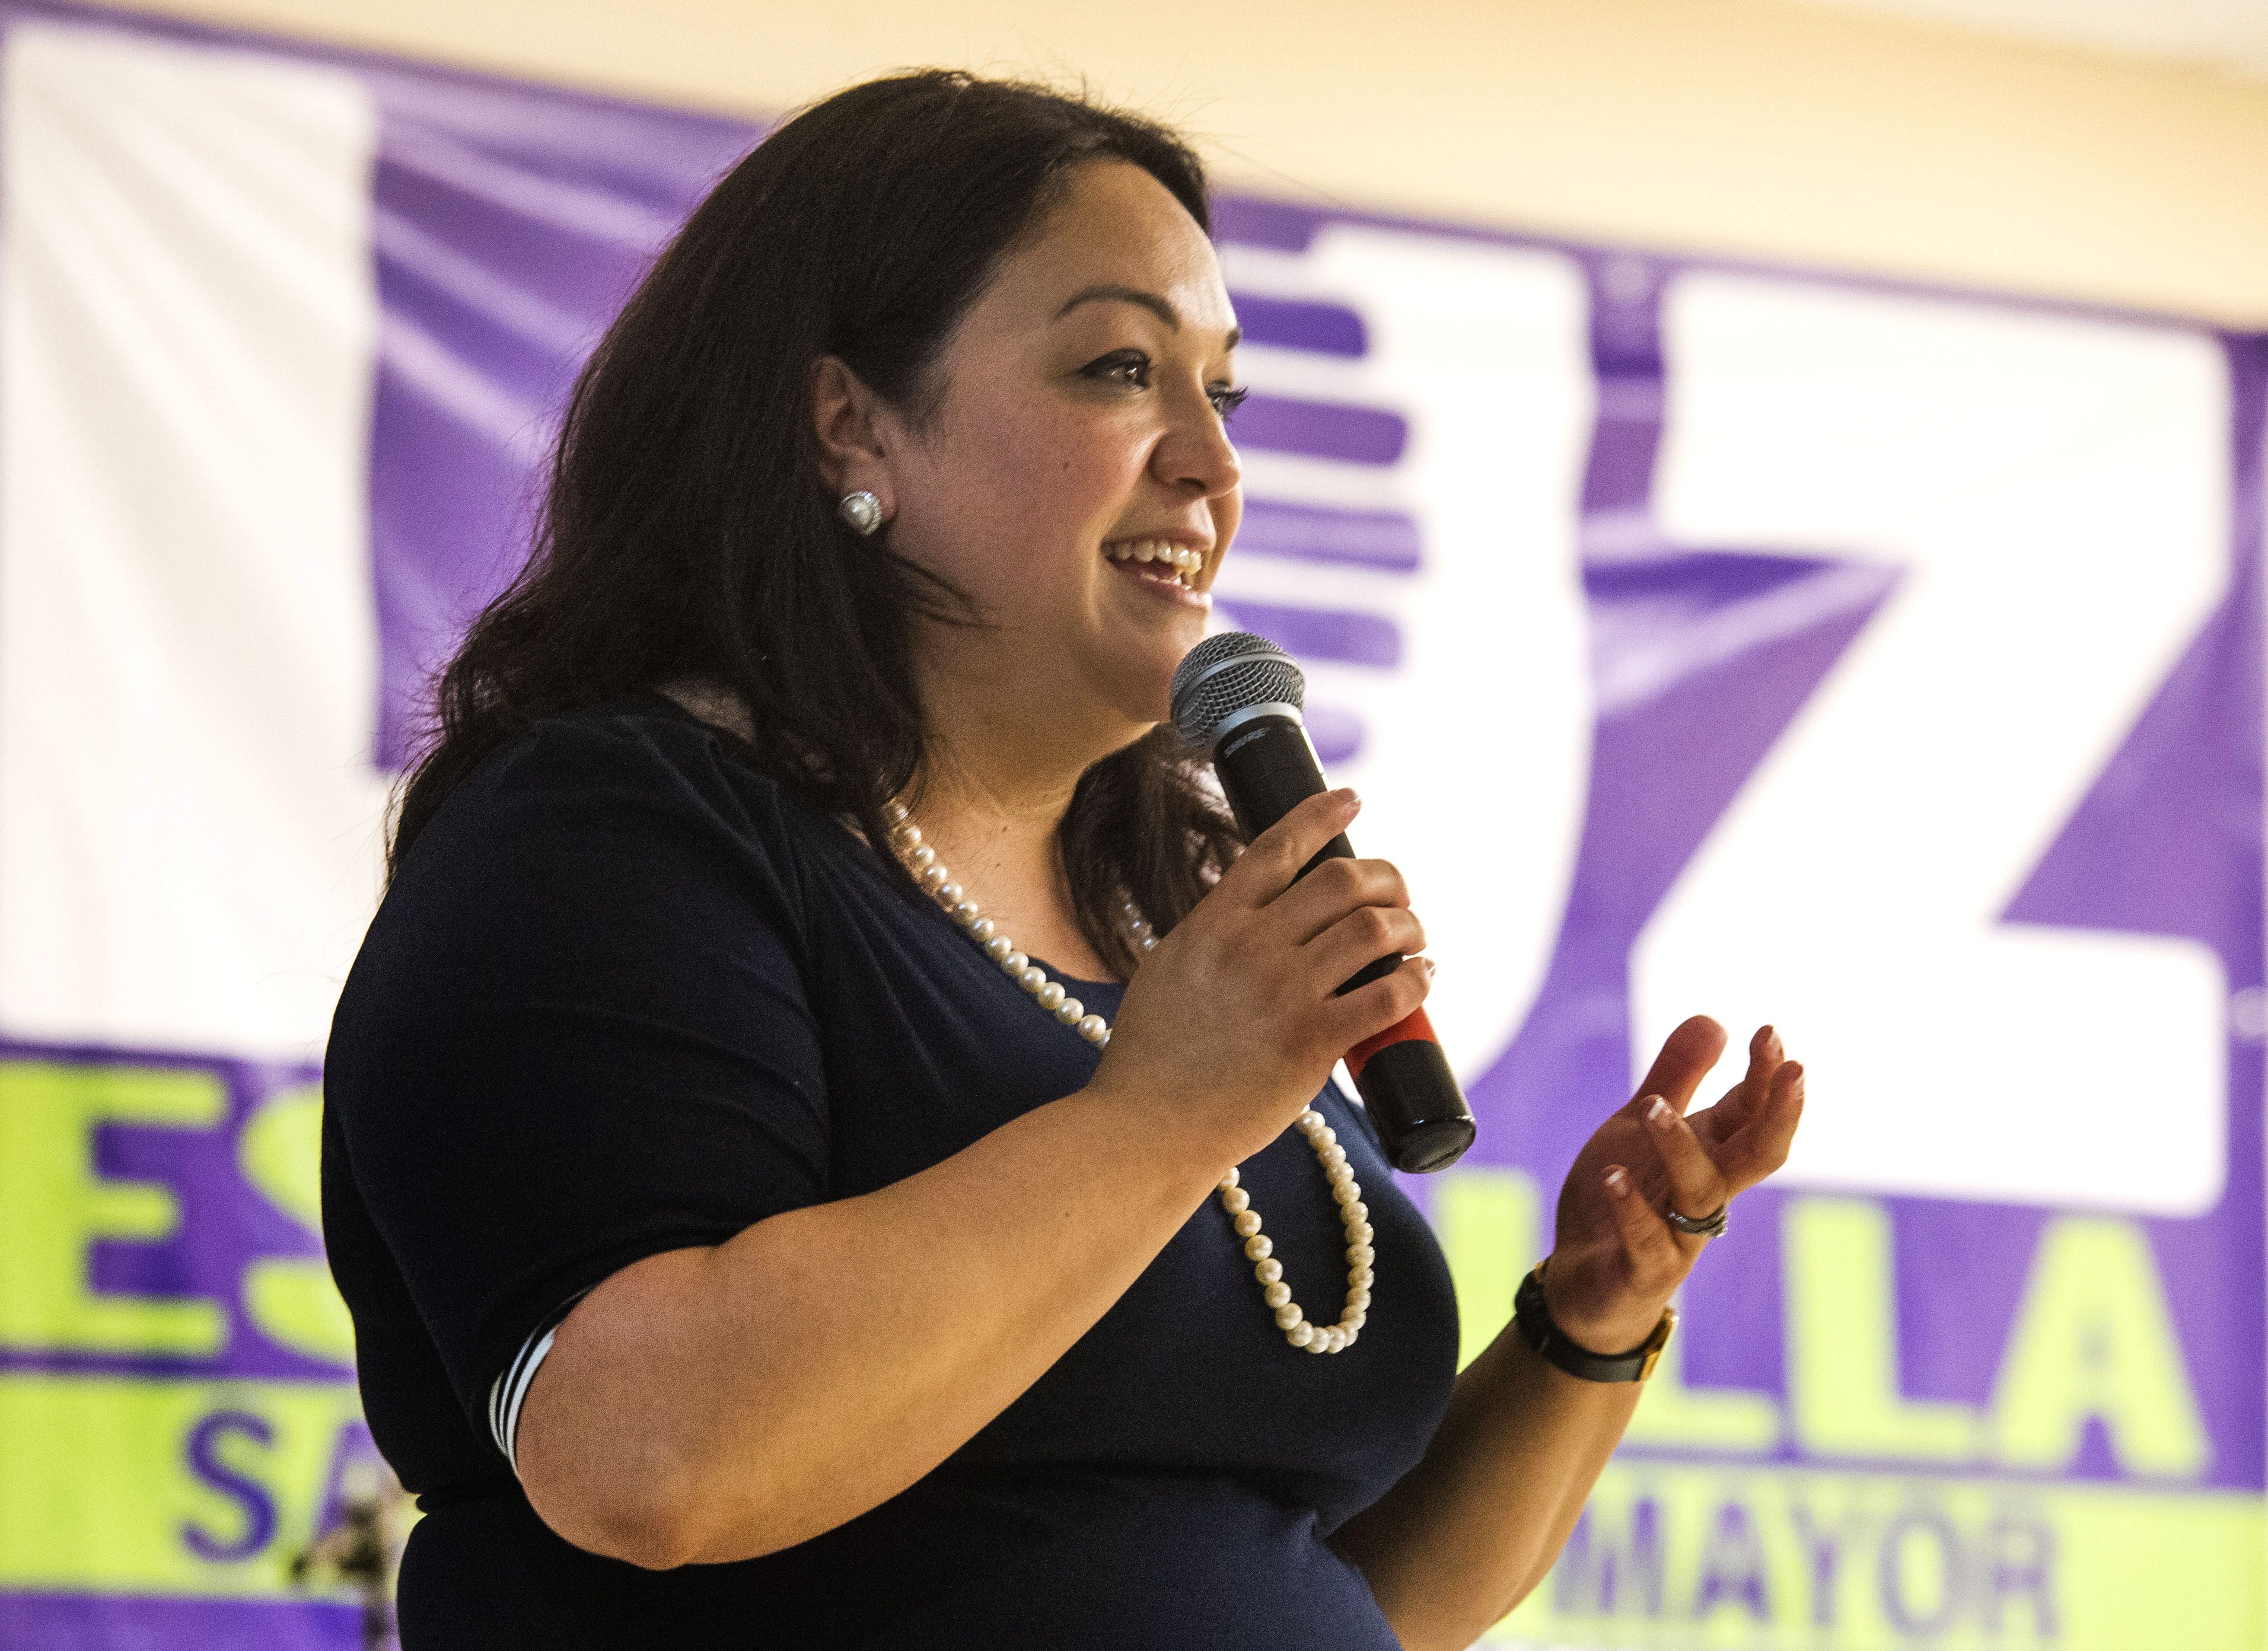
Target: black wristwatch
point(1533, 1315)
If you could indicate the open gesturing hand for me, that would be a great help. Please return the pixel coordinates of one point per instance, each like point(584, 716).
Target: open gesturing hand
point(1615, 1261)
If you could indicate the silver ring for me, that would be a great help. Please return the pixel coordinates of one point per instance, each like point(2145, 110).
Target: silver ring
point(1708, 1226)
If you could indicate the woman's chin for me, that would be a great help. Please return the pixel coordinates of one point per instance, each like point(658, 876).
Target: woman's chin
point(1184, 629)
point(1153, 701)
point(1137, 687)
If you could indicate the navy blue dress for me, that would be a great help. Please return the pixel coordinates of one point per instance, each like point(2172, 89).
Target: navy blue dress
point(628, 994)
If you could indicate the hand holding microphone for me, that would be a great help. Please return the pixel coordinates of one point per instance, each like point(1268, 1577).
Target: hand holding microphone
point(1236, 1018)
point(1299, 956)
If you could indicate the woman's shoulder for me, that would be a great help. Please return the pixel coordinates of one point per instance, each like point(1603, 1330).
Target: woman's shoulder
point(628, 785)
point(641, 752)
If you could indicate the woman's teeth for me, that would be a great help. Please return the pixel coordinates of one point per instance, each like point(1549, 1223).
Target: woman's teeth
point(1175, 562)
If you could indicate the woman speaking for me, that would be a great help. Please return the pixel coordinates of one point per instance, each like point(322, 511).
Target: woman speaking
point(829, 1138)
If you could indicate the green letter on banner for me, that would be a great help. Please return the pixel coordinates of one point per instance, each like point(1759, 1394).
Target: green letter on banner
point(2094, 1340)
point(1842, 1341)
point(53, 1205)
point(292, 1298)
point(1487, 1221)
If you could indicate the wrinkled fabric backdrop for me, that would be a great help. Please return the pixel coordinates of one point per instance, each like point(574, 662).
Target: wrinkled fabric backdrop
point(1881, 661)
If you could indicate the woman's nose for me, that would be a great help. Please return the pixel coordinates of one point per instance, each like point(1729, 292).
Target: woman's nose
point(1196, 455)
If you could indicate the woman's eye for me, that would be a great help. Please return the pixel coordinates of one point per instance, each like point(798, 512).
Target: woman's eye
point(1126, 367)
point(1132, 368)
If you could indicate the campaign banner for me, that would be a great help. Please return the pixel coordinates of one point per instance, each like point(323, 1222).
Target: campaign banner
point(1880, 661)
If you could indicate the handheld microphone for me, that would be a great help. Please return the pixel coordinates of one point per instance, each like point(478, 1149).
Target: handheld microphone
point(1238, 697)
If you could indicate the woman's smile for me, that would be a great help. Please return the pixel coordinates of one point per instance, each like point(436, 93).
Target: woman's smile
point(1165, 569)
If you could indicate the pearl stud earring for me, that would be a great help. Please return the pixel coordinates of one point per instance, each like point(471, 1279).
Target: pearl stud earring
point(863, 511)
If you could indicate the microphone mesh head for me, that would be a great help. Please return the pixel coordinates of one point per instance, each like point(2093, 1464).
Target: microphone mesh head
point(1226, 674)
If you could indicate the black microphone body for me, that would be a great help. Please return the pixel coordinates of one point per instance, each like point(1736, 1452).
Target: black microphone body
point(1267, 768)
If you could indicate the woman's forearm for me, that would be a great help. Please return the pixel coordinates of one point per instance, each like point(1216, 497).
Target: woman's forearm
point(1466, 1534)
point(718, 1404)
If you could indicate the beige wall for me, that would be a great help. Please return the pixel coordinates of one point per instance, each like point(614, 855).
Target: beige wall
point(1742, 126)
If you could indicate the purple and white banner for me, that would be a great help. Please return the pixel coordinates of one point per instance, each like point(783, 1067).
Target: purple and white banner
point(1881, 662)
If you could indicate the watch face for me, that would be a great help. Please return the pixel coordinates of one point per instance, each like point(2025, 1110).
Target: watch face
point(1656, 1343)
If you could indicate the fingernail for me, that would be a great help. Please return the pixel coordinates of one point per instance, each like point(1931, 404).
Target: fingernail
point(1617, 1183)
point(1658, 1114)
point(1430, 966)
point(1349, 797)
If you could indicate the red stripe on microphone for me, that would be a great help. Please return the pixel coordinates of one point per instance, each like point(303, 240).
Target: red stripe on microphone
point(1411, 1025)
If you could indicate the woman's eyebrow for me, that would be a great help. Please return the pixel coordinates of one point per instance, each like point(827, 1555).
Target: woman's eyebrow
point(1150, 301)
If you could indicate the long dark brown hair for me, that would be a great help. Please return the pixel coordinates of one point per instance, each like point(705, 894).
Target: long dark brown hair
point(687, 533)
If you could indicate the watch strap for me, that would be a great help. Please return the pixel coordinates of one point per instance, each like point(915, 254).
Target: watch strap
point(1532, 1314)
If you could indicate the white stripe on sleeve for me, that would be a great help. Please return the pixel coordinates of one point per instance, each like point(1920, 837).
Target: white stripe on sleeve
point(509, 1392)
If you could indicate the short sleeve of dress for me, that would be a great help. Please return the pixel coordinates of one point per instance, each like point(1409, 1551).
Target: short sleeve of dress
point(578, 1033)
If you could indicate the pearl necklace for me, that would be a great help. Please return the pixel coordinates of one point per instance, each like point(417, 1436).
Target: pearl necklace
point(922, 861)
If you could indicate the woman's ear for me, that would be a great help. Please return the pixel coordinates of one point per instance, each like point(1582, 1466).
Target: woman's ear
point(849, 420)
